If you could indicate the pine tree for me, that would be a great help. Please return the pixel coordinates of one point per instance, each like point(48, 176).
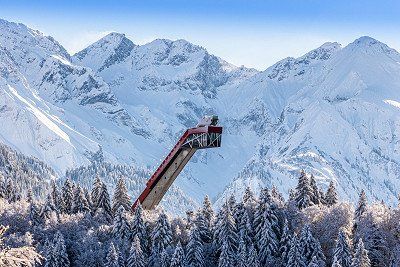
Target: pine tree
point(263, 204)
point(121, 197)
point(11, 191)
point(295, 258)
point(248, 196)
point(314, 263)
point(331, 197)
point(139, 229)
point(112, 259)
point(284, 244)
point(48, 210)
point(227, 257)
point(58, 253)
point(361, 206)
point(201, 224)
point(103, 201)
point(34, 214)
point(310, 247)
point(136, 257)
point(245, 229)
point(208, 215)
point(97, 185)
point(242, 253)
point(88, 199)
point(56, 196)
point(342, 254)
point(29, 195)
point(277, 196)
point(303, 192)
point(178, 258)
point(315, 197)
point(194, 249)
point(2, 187)
point(252, 259)
point(67, 197)
point(376, 245)
point(361, 258)
point(267, 239)
point(164, 259)
point(80, 203)
point(161, 236)
point(226, 230)
point(120, 229)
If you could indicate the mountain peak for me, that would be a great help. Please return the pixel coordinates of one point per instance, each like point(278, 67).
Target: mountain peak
point(14, 36)
point(113, 48)
point(371, 46)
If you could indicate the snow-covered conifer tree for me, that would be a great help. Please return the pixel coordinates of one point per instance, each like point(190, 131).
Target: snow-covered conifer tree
point(161, 237)
point(55, 193)
point(67, 197)
point(112, 259)
point(80, 203)
point(97, 184)
point(248, 196)
point(48, 210)
point(202, 226)
point(361, 205)
point(304, 192)
point(121, 228)
point(284, 243)
point(226, 230)
point(245, 229)
point(277, 196)
point(227, 256)
point(360, 258)
point(242, 255)
point(165, 260)
point(331, 196)
point(263, 204)
point(34, 214)
point(136, 257)
point(314, 262)
point(178, 258)
point(310, 247)
point(139, 229)
point(252, 259)
point(342, 254)
point(376, 245)
point(208, 215)
point(295, 257)
point(58, 253)
point(267, 239)
point(315, 197)
point(121, 197)
point(194, 249)
point(103, 201)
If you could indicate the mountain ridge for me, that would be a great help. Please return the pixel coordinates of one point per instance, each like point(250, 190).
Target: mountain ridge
point(133, 101)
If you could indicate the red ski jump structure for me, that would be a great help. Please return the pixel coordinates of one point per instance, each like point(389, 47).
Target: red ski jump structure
point(205, 135)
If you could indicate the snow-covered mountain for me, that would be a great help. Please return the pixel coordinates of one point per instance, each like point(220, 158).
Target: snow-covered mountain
point(334, 111)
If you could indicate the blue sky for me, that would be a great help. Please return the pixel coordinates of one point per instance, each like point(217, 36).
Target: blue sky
point(251, 33)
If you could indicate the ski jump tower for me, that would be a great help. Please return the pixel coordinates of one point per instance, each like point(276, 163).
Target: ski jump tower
point(205, 135)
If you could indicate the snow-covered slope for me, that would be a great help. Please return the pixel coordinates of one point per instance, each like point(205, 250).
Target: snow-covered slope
point(60, 112)
point(334, 111)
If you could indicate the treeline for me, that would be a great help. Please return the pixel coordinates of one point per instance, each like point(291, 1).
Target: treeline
point(78, 227)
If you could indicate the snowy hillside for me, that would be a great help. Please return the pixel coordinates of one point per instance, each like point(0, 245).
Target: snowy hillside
point(334, 111)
